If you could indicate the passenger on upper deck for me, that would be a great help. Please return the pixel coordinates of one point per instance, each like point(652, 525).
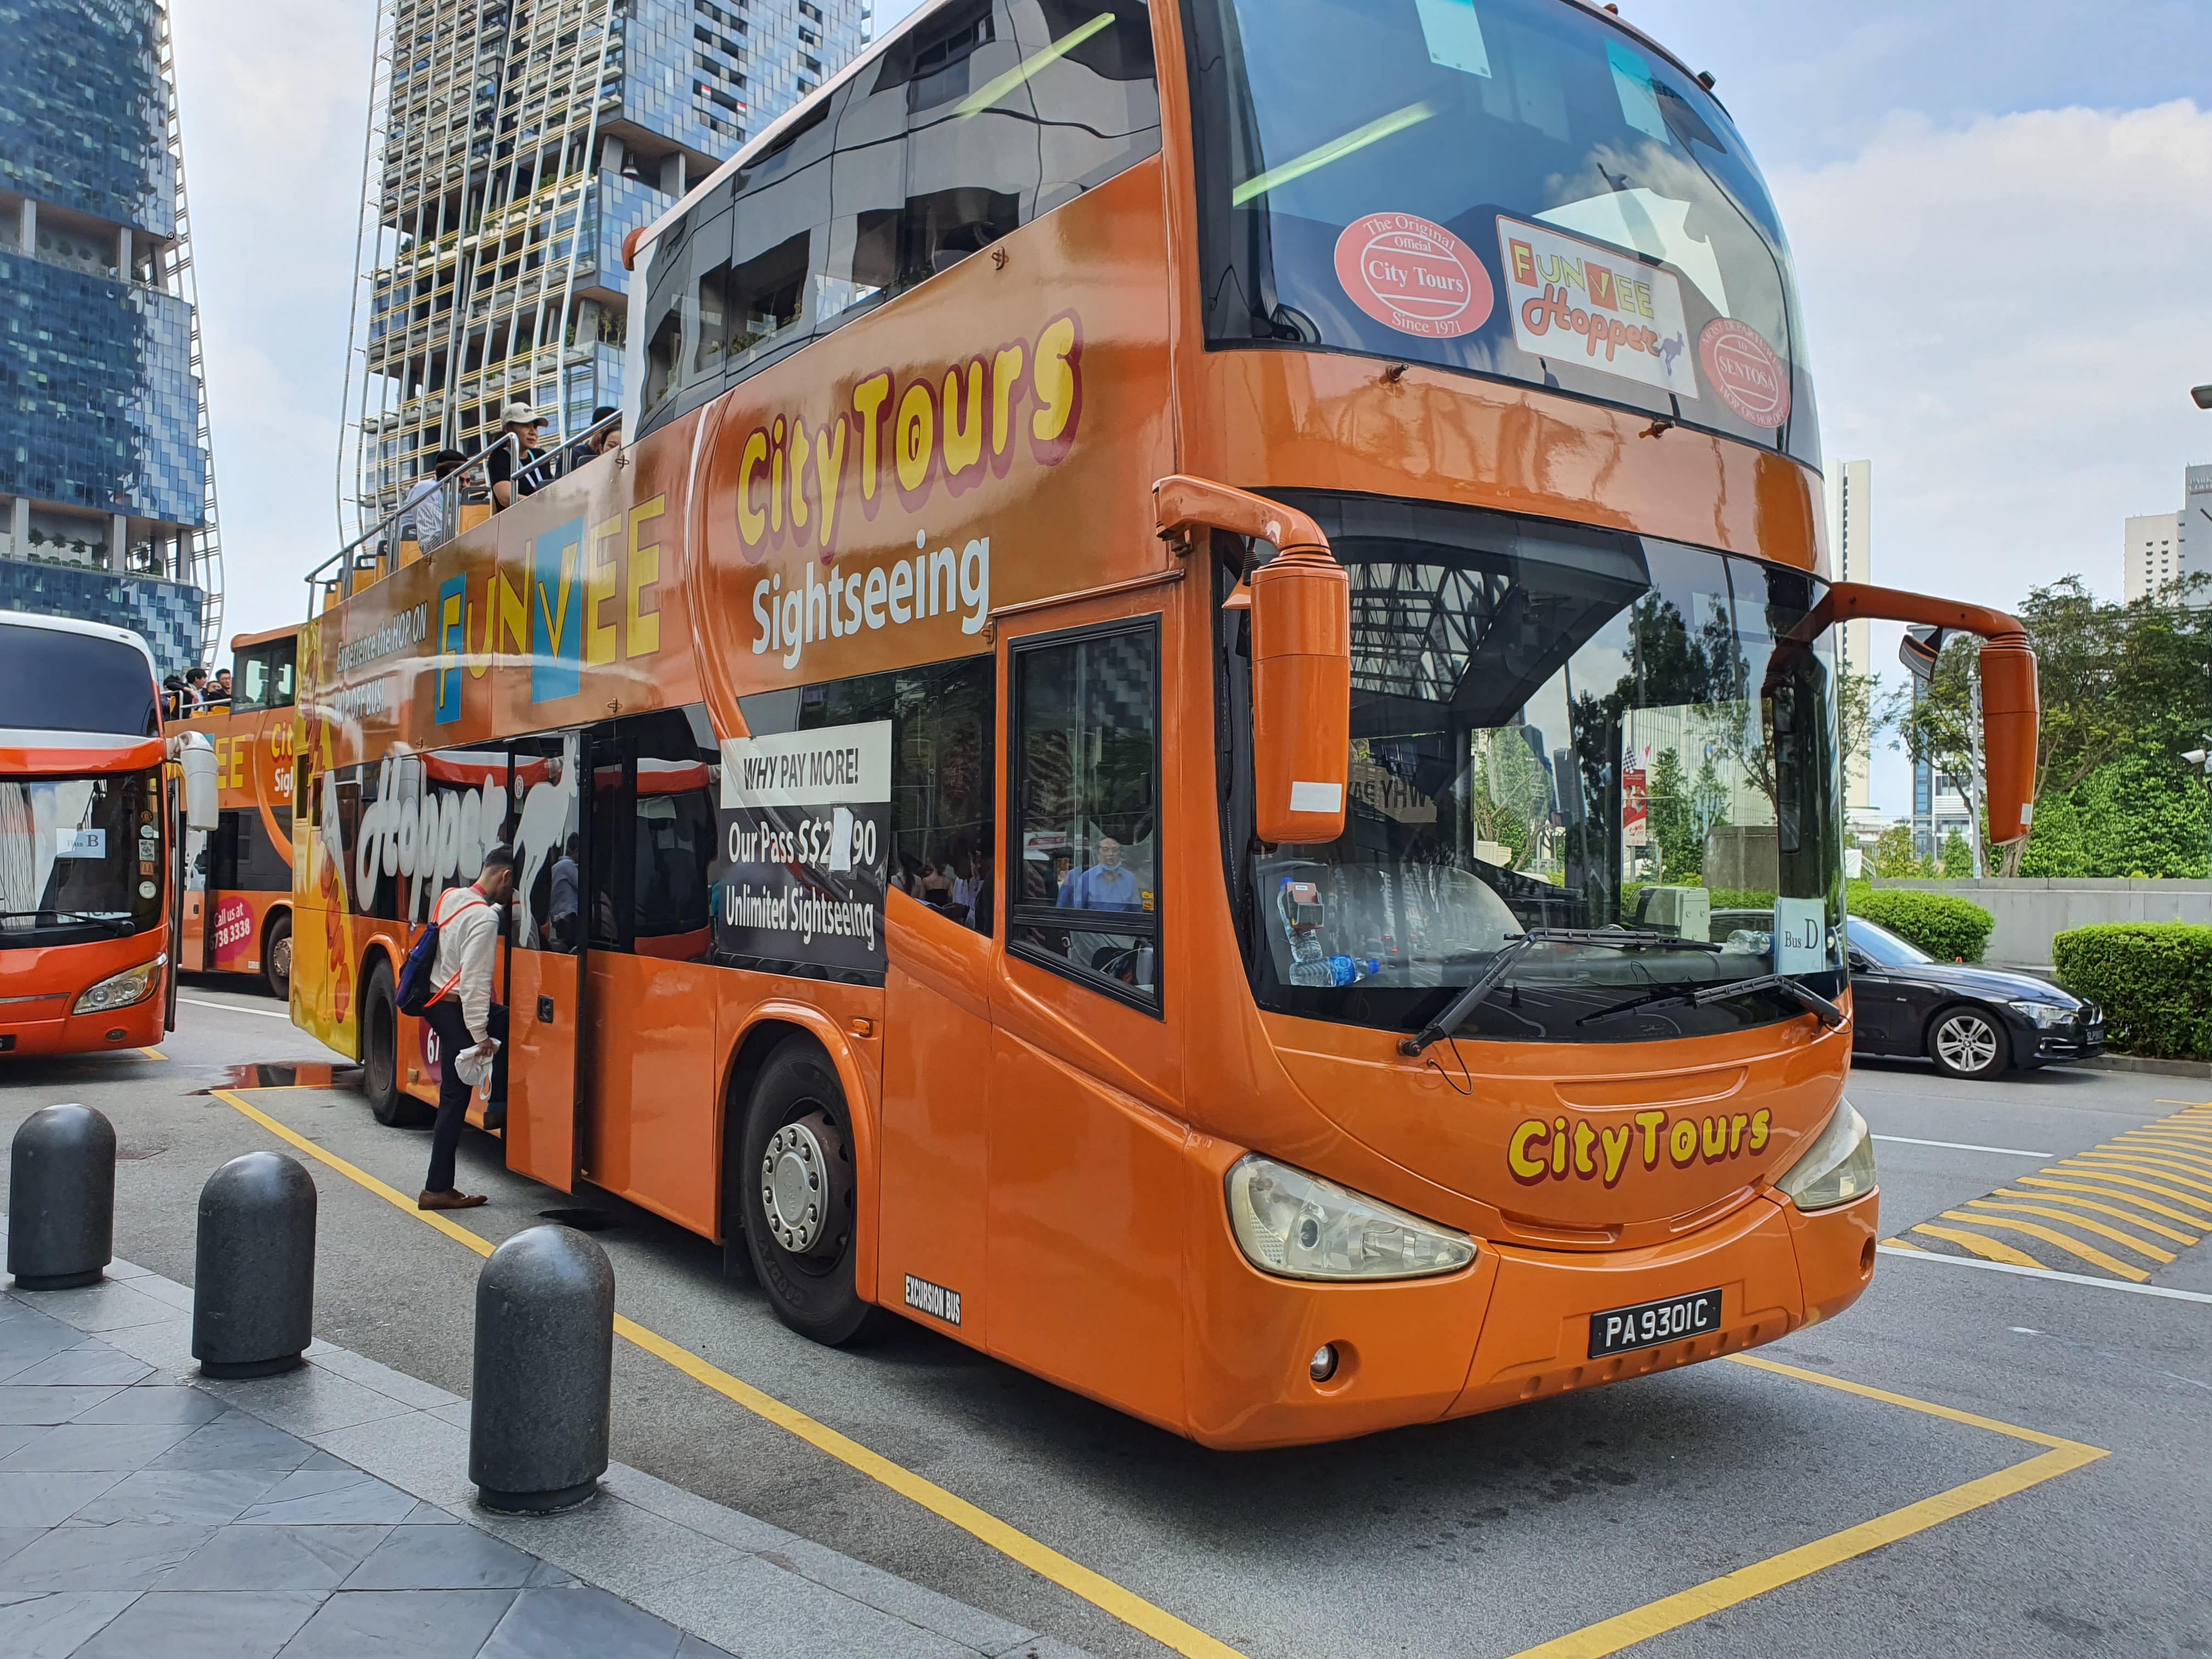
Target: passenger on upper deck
point(517, 421)
point(423, 514)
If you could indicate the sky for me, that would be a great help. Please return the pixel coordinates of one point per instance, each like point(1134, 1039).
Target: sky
point(2001, 215)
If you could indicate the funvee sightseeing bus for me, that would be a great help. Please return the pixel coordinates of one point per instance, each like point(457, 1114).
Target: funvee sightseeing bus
point(237, 909)
point(90, 838)
point(1097, 773)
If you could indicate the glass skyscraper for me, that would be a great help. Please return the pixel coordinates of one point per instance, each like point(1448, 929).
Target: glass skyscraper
point(104, 465)
point(512, 145)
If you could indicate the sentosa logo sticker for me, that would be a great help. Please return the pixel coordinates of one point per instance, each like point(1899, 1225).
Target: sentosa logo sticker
point(1743, 369)
point(1413, 275)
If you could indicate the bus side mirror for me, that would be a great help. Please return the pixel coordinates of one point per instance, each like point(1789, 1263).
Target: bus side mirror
point(2009, 736)
point(1301, 614)
point(1300, 697)
point(195, 758)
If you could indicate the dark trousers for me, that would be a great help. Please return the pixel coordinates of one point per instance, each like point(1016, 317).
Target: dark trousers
point(445, 1017)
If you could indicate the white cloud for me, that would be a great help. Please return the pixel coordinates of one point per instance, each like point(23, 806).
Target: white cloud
point(2006, 318)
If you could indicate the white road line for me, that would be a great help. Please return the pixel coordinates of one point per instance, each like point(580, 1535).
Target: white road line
point(2045, 1273)
point(271, 1014)
point(1963, 1146)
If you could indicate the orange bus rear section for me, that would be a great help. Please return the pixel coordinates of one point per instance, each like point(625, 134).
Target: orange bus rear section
point(1043, 1121)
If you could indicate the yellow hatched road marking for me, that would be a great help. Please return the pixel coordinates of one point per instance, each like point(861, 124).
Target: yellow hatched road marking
point(2190, 1156)
point(153, 1054)
point(1608, 1636)
point(2128, 1216)
point(2112, 1179)
point(1047, 1562)
point(2073, 1246)
point(1993, 1249)
point(2136, 1162)
point(1626, 1630)
point(2187, 1136)
point(1900, 1244)
point(2140, 1247)
point(2150, 1203)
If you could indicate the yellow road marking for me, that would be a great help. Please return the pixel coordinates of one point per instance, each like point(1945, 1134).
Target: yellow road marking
point(2088, 1253)
point(1993, 1249)
point(2191, 1156)
point(2140, 1165)
point(2128, 1216)
point(153, 1054)
point(2150, 1203)
point(1900, 1244)
point(1100, 1591)
point(2140, 1247)
point(1608, 1636)
point(2197, 1105)
point(2110, 1179)
point(1626, 1630)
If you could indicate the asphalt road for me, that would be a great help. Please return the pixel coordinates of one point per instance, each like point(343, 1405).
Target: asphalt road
point(1484, 1537)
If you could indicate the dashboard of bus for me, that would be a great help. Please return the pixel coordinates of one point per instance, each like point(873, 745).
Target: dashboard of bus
point(1553, 728)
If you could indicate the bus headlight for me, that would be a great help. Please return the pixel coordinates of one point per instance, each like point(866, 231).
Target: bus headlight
point(1837, 1168)
point(1302, 1226)
point(121, 990)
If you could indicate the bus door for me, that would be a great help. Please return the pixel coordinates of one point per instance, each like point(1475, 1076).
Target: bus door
point(1086, 1071)
point(548, 819)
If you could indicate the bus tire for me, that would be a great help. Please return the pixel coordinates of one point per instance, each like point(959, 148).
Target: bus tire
point(392, 1105)
point(800, 1194)
point(277, 955)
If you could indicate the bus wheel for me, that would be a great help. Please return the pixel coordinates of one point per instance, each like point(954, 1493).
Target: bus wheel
point(797, 1158)
point(277, 957)
point(379, 1055)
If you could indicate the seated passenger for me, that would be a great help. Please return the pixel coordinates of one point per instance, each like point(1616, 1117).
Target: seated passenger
point(1108, 884)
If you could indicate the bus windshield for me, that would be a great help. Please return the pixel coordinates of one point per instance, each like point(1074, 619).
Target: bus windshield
point(55, 681)
point(1559, 727)
point(1515, 188)
point(80, 858)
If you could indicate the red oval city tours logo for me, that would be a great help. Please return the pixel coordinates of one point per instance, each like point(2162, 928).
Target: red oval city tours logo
point(1743, 369)
point(1413, 275)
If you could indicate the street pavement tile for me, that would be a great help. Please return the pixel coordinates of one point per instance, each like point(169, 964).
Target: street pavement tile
point(53, 1626)
point(123, 1557)
point(14, 1538)
point(810, 1622)
point(95, 1363)
point(203, 1625)
point(624, 1549)
point(236, 1441)
point(394, 1385)
point(428, 1515)
point(435, 1558)
point(14, 1436)
point(311, 1399)
point(579, 1624)
point(79, 1448)
point(698, 1647)
point(273, 1559)
point(106, 1306)
point(888, 1593)
point(150, 1403)
point(328, 1497)
point(29, 1402)
point(47, 1500)
point(192, 1497)
point(402, 1624)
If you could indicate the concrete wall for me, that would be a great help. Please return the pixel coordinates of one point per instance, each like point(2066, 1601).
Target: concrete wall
point(2032, 911)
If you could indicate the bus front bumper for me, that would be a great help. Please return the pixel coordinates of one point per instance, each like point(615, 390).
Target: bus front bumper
point(1514, 1327)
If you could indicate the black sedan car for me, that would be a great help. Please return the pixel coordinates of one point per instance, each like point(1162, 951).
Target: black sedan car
point(1972, 1022)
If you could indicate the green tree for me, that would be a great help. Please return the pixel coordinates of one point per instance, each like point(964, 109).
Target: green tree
point(1957, 858)
point(1674, 821)
point(1895, 857)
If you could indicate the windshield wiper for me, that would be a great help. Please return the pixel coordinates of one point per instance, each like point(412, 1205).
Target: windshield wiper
point(1612, 938)
point(1813, 1002)
point(69, 918)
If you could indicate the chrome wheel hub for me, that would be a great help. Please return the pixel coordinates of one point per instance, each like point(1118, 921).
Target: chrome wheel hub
point(281, 957)
point(795, 1187)
point(1967, 1042)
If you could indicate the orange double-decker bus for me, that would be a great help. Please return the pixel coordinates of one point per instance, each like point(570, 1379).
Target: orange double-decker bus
point(237, 911)
point(1108, 769)
point(90, 838)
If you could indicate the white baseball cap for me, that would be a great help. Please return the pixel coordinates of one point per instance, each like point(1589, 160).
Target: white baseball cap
point(521, 413)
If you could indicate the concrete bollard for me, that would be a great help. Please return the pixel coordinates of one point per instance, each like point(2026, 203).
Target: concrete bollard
point(253, 1285)
point(545, 1372)
point(61, 1198)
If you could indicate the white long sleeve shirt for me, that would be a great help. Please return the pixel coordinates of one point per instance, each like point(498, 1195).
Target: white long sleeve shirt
point(468, 941)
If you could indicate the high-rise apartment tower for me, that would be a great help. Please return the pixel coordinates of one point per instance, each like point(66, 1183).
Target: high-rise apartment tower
point(512, 144)
point(107, 490)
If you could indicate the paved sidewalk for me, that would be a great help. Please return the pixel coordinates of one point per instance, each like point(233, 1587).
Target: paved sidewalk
point(326, 1514)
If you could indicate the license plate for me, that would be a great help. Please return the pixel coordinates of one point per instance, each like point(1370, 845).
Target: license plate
point(1649, 1323)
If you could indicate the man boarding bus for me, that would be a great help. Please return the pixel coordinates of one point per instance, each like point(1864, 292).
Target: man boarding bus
point(1270, 468)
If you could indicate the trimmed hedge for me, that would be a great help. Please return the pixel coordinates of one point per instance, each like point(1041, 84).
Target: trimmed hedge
point(1950, 929)
point(2153, 980)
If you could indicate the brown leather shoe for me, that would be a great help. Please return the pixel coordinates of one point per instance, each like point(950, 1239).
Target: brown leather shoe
point(455, 1199)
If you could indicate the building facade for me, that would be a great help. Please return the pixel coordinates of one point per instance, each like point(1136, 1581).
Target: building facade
point(105, 469)
point(1850, 535)
point(2150, 554)
point(512, 145)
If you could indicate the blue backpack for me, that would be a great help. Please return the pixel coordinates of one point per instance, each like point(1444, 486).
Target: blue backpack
point(416, 993)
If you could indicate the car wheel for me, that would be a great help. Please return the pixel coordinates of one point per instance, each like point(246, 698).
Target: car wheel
point(277, 957)
point(1969, 1042)
point(800, 1194)
point(392, 1105)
